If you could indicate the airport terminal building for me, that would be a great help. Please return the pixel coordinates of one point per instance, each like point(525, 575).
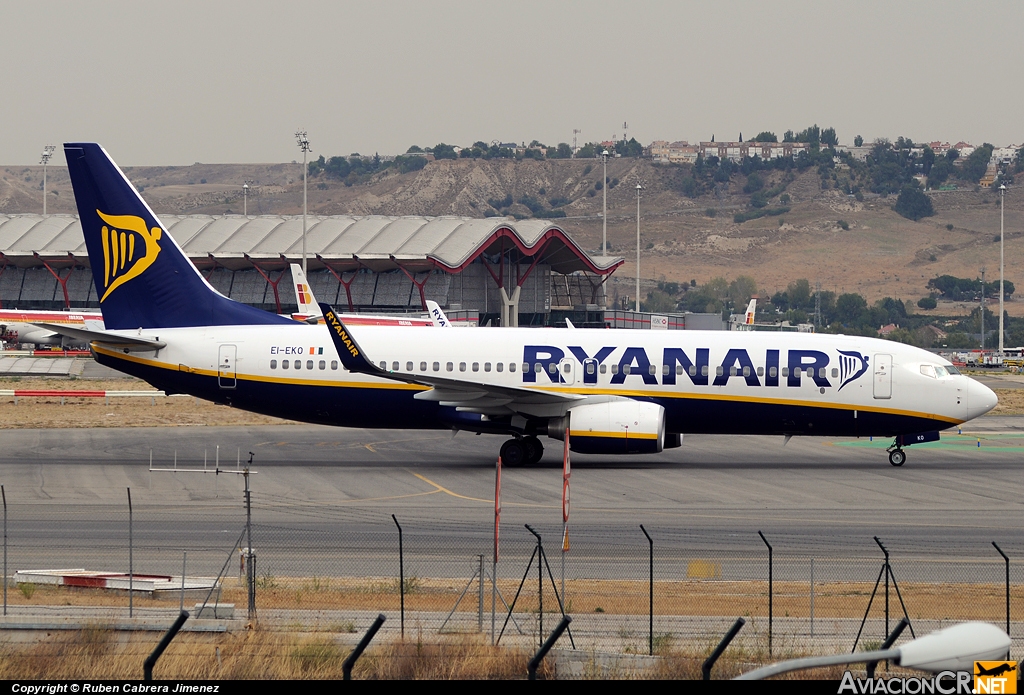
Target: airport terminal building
point(525, 272)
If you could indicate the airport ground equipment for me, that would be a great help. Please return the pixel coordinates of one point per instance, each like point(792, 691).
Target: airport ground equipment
point(887, 572)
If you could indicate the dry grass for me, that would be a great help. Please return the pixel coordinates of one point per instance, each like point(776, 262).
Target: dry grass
point(1011, 402)
point(945, 601)
point(101, 653)
point(40, 413)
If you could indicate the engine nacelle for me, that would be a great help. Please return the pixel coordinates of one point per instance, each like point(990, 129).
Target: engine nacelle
point(615, 427)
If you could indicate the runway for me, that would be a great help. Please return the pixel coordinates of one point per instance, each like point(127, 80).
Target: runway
point(712, 494)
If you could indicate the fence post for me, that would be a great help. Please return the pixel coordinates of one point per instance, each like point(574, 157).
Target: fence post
point(150, 662)
point(709, 663)
point(650, 610)
point(1005, 559)
point(250, 560)
point(531, 668)
point(350, 661)
point(888, 571)
point(480, 598)
point(765, 540)
point(131, 563)
point(401, 574)
point(540, 588)
point(812, 597)
point(4, 495)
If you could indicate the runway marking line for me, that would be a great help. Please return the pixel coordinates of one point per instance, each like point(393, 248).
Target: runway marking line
point(441, 488)
point(445, 490)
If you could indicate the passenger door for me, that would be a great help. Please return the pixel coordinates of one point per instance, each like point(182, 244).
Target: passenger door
point(883, 376)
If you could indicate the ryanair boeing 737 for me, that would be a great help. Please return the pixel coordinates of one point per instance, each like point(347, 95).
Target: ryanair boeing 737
point(614, 391)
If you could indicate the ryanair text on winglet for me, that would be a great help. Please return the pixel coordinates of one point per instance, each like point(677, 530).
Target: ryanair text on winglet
point(336, 325)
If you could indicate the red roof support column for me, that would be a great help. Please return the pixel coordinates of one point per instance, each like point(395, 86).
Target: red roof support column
point(536, 259)
point(340, 277)
point(62, 280)
point(213, 267)
point(419, 285)
point(273, 283)
point(499, 279)
point(594, 288)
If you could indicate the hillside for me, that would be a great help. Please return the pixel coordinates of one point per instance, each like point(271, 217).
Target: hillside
point(880, 254)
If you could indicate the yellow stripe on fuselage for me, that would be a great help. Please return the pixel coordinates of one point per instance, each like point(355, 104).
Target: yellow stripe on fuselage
point(632, 393)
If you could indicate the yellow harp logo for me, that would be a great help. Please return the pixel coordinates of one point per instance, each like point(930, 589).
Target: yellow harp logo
point(128, 249)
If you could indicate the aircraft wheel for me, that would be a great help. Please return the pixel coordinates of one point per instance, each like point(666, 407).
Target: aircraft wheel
point(514, 453)
point(897, 457)
point(535, 450)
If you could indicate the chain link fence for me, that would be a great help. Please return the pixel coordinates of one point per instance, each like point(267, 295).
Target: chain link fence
point(333, 568)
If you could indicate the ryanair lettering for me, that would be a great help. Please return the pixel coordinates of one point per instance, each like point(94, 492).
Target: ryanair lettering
point(129, 248)
point(633, 363)
point(342, 334)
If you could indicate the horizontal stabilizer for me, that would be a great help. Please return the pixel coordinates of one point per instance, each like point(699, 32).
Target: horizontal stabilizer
point(126, 342)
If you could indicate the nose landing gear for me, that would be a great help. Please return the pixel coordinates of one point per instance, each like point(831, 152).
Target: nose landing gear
point(897, 456)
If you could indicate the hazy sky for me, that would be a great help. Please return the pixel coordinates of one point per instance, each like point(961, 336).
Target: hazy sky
point(179, 82)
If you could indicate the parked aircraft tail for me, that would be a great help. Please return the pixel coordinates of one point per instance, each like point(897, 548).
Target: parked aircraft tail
point(142, 277)
point(304, 298)
point(748, 317)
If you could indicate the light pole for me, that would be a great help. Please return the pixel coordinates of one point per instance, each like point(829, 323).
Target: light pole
point(303, 141)
point(245, 199)
point(1002, 200)
point(47, 153)
point(981, 313)
point(604, 206)
point(638, 189)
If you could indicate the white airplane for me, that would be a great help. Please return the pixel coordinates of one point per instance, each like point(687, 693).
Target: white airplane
point(614, 391)
point(309, 309)
point(26, 324)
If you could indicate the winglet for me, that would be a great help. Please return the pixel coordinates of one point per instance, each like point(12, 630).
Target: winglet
point(352, 356)
point(438, 317)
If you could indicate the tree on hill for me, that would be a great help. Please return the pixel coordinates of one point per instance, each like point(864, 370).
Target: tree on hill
point(829, 137)
point(629, 149)
point(563, 151)
point(976, 164)
point(913, 203)
point(858, 141)
point(443, 151)
point(765, 136)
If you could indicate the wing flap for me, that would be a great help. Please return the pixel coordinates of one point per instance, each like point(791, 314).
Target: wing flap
point(445, 390)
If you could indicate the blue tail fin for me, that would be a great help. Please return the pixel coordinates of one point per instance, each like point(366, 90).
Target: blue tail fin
point(142, 277)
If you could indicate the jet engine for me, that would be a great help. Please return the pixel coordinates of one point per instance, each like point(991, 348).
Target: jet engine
point(620, 426)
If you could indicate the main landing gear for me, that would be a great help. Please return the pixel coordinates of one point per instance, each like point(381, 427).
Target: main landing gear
point(521, 451)
point(897, 456)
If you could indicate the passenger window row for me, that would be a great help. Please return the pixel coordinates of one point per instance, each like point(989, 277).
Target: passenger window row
point(322, 364)
point(590, 368)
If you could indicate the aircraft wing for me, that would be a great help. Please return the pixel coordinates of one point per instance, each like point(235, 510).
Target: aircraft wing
point(464, 395)
point(125, 342)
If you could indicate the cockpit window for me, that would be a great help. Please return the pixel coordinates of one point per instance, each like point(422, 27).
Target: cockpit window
point(953, 370)
point(940, 371)
point(928, 370)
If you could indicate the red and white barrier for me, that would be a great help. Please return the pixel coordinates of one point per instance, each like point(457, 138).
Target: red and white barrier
point(61, 394)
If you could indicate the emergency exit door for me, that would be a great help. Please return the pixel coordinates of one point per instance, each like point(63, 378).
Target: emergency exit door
point(226, 367)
